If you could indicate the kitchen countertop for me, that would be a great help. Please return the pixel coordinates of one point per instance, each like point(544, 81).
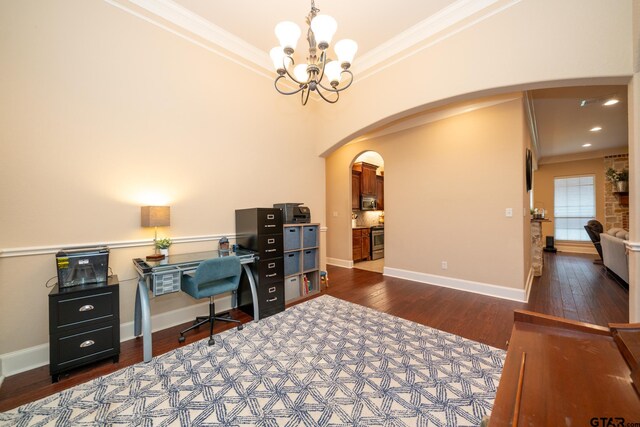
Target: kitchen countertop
point(359, 227)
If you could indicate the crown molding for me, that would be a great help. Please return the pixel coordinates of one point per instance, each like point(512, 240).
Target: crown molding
point(446, 18)
point(434, 24)
point(194, 23)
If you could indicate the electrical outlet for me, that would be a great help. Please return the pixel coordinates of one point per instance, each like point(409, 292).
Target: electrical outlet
point(444, 265)
point(335, 213)
point(508, 212)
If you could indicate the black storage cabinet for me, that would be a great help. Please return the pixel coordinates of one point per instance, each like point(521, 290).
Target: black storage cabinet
point(84, 325)
point(260, 230)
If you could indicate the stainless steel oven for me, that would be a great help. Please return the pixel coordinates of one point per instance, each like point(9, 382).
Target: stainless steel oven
point(377, 242)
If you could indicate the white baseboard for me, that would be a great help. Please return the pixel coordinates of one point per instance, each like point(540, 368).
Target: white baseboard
point(459, 284)
point(576, 248)
point(24, 360)
point(347, 263)
point(36, 356)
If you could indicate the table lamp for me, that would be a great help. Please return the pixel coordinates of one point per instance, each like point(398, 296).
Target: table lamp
point(155, 216)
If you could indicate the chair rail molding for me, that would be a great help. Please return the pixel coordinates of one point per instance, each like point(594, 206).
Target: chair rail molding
point(52, 249)
point(632, 246)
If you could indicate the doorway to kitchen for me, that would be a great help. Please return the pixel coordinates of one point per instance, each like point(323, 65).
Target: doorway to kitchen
point(367, 211)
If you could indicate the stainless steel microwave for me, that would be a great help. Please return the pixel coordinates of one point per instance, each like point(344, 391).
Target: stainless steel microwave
point(368, 203)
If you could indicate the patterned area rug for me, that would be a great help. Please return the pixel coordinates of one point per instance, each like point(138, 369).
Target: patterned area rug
point(325, 362)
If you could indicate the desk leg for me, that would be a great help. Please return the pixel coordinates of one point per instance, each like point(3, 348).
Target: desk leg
point(142, 319)
point(254, 292)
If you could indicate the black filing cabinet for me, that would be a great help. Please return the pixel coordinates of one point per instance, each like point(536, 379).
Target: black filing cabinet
point(84, 325)
point(260, 230)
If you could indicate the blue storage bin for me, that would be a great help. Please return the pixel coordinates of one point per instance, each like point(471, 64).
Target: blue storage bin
point(291, 288)
point(309, 259)
point(310, 236)
point(291, 263)
point(291, 238)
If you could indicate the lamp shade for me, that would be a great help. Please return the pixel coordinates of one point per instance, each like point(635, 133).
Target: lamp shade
point(346, 49)
point(154, 216)
point(333, 72)
point(288, 34)
point(277, 56)
point(300, 73)
point(323, 27)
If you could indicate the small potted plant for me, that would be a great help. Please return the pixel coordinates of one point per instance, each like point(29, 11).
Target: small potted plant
point(618, 178)
point(163, 245)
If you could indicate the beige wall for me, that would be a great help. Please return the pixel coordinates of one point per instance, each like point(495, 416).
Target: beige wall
point(447, 185)
point(543, 185)
point(534, 43)
point(100, 110)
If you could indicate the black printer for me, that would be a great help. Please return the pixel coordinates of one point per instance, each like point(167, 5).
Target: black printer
point(82, 266)
point(294, 213)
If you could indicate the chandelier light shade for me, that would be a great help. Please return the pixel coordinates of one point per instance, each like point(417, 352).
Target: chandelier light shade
point(346, 49)
point(323, 27)
point(288, 34)
point(319, 73)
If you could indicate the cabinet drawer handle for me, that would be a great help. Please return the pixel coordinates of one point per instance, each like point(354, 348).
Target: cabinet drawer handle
point(273, 299)
point(270, 216)
point(87, 307)
point(87, 343)
point(271, 241)
point(272, 290)
point(271, 265)
point(270, 226)
point(271, 250)
point(272, 275)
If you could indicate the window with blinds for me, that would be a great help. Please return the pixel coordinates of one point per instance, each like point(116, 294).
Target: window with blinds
point(574, 205)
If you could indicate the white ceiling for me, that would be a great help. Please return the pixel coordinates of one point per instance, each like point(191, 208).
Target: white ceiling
point(563, 125)
point(382, 29)
point(366, 22)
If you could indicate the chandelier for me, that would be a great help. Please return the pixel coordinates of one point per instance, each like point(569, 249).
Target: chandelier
point(310, 76)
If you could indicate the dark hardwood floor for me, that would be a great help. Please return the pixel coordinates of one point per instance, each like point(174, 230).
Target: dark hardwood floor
point(571, 286)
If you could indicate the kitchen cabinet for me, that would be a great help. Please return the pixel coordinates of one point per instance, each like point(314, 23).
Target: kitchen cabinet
point(361, 241)
point(355, 190)
point(367, 178)
point(380, 191)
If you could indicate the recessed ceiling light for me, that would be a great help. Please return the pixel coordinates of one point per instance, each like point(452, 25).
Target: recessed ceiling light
point(612, 101)
point(586, 145)
point(595, 129)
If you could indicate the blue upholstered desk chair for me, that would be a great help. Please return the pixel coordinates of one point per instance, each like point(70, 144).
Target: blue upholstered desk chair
point(212, 277)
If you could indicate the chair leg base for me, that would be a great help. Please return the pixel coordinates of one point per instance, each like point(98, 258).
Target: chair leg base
point(211, 341)
point(201, 320)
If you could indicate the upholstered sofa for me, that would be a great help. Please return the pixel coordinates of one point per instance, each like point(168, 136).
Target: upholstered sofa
point(614, 254)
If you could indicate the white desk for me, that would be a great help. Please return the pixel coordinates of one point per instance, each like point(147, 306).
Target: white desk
point(162, 277)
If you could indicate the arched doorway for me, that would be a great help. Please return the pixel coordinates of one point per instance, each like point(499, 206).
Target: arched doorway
point(367, 211)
